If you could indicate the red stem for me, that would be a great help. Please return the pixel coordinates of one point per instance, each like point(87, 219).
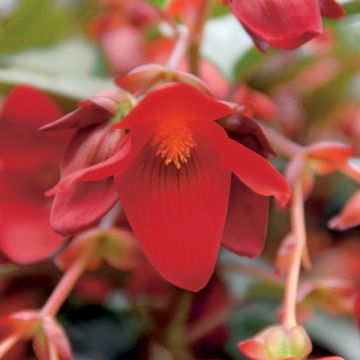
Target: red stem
point(292, 279)
point(66, 284)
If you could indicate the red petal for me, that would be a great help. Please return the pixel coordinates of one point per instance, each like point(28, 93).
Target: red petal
point(87, 115)
point(263, 105)
point(282, 23)
point(27, 104)
point(249, 167)
point(29, 165)
point(357, 310)
point(246, 222)
point(30, 239)
point(177, 215)
point(327, 156)
point(174, 101)
point(331, 9)
point(248, 133)
point(124, 39)
point(145, 77)
point(85, 202)
point(349, 216)
point(100, 171)
point(253, 349)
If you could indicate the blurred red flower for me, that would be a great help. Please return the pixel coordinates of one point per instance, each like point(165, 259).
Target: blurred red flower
point(285, 24)
point(29, 166)
point(173, 175)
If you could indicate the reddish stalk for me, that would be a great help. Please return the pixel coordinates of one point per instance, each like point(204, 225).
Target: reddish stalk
point(66, 284)
point(292, 279)
point(179, 51)
point(12, 339)
point(197, 35)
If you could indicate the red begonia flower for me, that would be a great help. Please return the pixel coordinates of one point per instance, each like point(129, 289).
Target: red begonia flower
point(29, 166)
point(285, 24)
point(173, 176)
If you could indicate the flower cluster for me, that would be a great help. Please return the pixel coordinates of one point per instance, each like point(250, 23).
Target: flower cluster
point(150, 195)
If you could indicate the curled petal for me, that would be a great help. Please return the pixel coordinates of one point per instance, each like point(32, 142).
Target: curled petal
point(248, 133)
point(249, 167)
point(178, 215)
point(90, 112)
point(145, 77)
point(114, 164)
point(85, 202)
point(87, 115)
point(331, 9)
point(283, 24)
point(246, 221)
point(349, 216)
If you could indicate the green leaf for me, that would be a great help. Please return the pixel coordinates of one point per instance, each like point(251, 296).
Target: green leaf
point(159, 3)
point(352, 8)
point(247, 63)
point(33, 23)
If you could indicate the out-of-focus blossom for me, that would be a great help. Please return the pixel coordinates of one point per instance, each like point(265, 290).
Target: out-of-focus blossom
point(186, 10)
point(173, 175)
point(119, 31)
point(263, 106)
point(285, 24)
point(29, 166)
point(349, 216)
point(277, 343)
point(330, 294)
point(48, 338)
point(320, 158)
point(159, 50)
point(350, 124)
point(117, 247)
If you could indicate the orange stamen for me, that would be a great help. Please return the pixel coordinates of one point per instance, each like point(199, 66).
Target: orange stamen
point(175, 141)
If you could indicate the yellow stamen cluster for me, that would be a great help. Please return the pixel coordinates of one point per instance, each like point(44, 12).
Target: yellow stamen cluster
point(175, 141)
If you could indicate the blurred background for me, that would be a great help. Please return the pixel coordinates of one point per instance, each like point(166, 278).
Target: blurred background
point(71, 50)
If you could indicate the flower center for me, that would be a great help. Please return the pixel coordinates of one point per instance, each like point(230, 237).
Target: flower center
point(174, 142)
